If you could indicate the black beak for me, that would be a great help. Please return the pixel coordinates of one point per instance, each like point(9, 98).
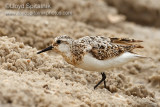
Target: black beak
point(46, 49)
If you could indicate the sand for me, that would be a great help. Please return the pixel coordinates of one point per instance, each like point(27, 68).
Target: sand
point(148, 11)
point(28, 79)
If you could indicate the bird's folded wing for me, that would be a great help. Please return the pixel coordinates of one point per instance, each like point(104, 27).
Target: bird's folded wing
point(104, 48)
point(102, 52)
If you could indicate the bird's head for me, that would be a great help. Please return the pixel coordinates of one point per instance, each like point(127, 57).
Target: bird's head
point(61, 44)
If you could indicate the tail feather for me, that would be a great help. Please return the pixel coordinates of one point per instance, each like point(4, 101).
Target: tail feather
point(124, 40)
point(137, 46)
point(129, 48)
point(140, 56)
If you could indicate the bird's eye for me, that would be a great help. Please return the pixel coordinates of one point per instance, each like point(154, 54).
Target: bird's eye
point(58, 41)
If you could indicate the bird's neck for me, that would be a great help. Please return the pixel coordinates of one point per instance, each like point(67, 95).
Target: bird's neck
point(67, 57)
point(65, 51)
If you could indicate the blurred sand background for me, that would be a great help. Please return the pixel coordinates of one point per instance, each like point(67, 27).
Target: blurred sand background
point(46, 80)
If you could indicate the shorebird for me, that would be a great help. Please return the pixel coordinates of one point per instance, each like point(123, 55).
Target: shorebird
point(95, 53)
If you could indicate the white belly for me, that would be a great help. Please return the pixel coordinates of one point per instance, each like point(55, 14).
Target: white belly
point(92, 64)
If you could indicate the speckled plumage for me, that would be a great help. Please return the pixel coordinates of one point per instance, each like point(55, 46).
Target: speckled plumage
point(101, 48)
point(104, 48)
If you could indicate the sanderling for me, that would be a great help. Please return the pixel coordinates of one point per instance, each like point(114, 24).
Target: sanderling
point(95, 53)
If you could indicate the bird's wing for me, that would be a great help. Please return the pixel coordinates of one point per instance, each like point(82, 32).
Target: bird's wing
point(105, 48)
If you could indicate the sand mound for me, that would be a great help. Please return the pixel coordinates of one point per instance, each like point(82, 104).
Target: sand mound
point(147, 11)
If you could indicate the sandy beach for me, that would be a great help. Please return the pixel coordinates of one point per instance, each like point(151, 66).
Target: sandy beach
point(28, 79)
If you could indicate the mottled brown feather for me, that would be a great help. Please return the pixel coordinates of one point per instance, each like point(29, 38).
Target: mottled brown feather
point(105, 48)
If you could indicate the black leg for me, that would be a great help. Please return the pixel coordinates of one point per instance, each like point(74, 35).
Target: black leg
point(103, 79)
point(105, 84)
